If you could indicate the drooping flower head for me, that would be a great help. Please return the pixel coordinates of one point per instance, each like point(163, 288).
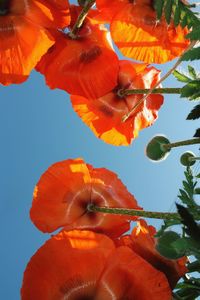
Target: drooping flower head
point(104, 115)
point(65, 190)
point(143, 242)
point(84, 65)
point(137, 33)
point(83, 265)
point(24, 36)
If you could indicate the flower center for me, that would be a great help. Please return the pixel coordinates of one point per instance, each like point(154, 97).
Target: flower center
point(4, 7)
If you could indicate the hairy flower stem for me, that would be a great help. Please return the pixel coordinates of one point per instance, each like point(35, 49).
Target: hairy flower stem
point(123, 93)
point(125, 117)
point(81, 18)
point(134, 212)
point(181, 143)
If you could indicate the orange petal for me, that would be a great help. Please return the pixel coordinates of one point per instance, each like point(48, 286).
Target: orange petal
point(107, 9)
point(67, 266)
point(128, 276)
point(137, 35)
point(64, 191)
point(22, 45)
point(142, 242)
point(104, 115)
point(80, 66)
point(49, 13)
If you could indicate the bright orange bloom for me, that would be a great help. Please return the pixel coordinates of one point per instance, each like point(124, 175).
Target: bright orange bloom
point(80, 65)
point(64, 192)
point(24, 37)
point(104, 115)
point(142, 242)
point(137, 33)
point(85, 265)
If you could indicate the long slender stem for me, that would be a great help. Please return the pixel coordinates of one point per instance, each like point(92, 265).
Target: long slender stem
point(123, 93)
point(125, 117)
point(181, 143)
point(193, 158)
point(81, 18)
point(134, 212)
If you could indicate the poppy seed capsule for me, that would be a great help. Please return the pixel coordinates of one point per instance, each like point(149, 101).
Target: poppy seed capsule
point(187, 159)
point(155, 149)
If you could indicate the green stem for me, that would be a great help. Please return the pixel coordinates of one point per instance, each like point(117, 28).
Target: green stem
point(134, 212)
point(179, 61)
point(123, 93)
point(81, 18)
point(193, 158)
point(181, 143)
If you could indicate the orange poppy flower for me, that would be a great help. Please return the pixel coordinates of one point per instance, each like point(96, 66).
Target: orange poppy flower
point(65, 190)
point(85, 265)
point(138, 35)
point(24, 37)
point(142, 242)
point(80, 65)
point(104, 115)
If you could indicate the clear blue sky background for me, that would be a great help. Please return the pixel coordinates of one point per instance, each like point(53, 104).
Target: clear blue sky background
point(38, 128)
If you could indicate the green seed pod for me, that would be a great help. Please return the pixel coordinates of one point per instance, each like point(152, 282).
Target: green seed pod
point(185, 159)
point(155, 149)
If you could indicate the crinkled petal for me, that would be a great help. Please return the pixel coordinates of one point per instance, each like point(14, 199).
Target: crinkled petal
point(64, 192)
point(138, 35)
point(80, 66)
point(128, 276)
point(67, 266)
point(142, 242)
point(22, 45)
point(104, 115)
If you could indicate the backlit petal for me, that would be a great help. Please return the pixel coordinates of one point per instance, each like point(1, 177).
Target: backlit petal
point(80, 66)
point(67, 266)
point(142, 242)
point(138, 35)
point(22, 45)
point(64, 191)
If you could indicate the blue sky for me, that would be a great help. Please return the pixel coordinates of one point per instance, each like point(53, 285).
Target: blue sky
point(38, 128)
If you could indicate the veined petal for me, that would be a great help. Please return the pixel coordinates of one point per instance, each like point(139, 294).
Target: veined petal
point(138, 35)
point(65, 190)
point(67, 266)
point(22, 45)
point(49, 13)
point(104, 115)
point(81, 66)
point(128, 276)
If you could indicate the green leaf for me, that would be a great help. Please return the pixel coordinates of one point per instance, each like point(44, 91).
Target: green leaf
point(177, 14)
point(184, 196)
point(197, 133)
point(193, 54)
point(167, 223)
point(194, 35)
point(193, 266)
point(195, 113)
point(171, 245)
point(181, 77)
point(192, 72)
point(191, 90)
point(198, 176)
point(188, 188)
point(168, 10)
point(195, 96)
point(158, 6)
